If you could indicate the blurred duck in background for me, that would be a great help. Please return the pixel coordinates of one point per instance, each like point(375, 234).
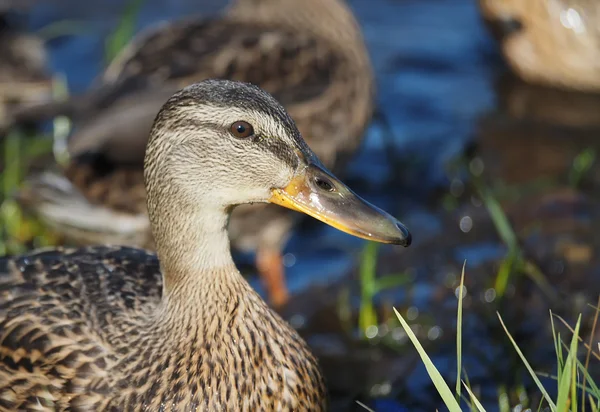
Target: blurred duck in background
point(310, 55)
point(23, 76)
point(549, 42)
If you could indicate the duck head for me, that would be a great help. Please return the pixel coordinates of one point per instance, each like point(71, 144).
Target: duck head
point(218, 144)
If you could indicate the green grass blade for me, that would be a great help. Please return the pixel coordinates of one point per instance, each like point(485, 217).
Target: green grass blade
point(582, 164)
point(434, 374)
point(344, 310)
point(591, 388)
point(391, 281)
point(474, 399)
point(528, 366)
point(367, 270)
point(574, 387)
point(12, 164)
point(124, 31)
point(589, 353)
point(557, 349)
point(503, 400)
point(514, 259)
point(503, 275)
point(537, 276)
point(503, 227)
point(539, 409)
point(37, 147)
point(567, 384)
point(592, 391)
point(10, 216)
point(459, 331)
point(364, 406)
point(466, 382)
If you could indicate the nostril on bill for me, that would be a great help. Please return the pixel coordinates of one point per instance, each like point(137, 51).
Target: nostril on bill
point(324, 184)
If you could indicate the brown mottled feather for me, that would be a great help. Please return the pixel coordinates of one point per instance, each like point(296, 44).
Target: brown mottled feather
point(78, 332)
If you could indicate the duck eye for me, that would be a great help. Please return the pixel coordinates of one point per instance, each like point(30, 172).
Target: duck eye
point(241, 129)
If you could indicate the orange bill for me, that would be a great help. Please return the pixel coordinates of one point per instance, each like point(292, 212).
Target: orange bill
point(317, 193)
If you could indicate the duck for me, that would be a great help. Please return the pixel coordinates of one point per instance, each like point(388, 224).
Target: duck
point(23, 76)
point(552, 43)
point(123, 328)
point(310, 55)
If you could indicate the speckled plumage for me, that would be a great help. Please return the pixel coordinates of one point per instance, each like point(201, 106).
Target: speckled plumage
point(85, 330)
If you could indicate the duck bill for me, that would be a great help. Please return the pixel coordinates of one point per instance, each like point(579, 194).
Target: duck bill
point(317, 193)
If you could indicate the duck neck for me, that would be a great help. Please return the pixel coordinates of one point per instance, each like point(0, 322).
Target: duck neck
point(193, 251)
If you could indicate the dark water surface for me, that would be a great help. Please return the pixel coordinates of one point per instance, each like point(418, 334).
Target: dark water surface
point(448, 118)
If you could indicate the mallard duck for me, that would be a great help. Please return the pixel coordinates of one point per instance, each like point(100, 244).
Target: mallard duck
point(23, 77)
point(310, 55)
point(555, 43)
point(113, 328)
